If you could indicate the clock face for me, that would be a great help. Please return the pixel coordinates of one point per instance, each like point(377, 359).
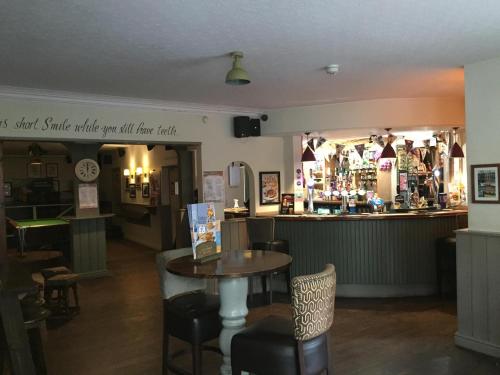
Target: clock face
point(87, 170)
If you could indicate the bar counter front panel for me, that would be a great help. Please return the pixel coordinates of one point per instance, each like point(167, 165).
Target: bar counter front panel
point(375, 255)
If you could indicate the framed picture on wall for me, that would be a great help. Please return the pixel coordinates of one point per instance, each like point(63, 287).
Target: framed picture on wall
point(52, 170)
point(34, 170)
point(269, 187)
point(484, 178)
point(131, 191)
point(145, 190)
point(55, 185)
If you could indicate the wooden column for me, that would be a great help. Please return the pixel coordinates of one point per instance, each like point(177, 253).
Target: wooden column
point(3, 233)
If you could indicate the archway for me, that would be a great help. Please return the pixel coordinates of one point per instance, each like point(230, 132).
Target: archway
point(240, 185)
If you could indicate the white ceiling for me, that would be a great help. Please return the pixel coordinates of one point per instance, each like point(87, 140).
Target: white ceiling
point(176, 50)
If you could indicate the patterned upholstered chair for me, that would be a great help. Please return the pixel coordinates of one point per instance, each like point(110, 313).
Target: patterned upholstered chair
point(189, 313)
point(275, 345)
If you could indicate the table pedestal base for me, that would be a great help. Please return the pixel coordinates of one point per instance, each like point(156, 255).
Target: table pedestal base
point(233, 311)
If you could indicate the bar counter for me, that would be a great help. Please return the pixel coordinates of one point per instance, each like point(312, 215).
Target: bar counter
point(375, 255)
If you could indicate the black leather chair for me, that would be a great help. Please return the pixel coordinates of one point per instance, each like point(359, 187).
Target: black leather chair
point(446, 266)
point(274, 245)
point(189, 313)
point(277, 346)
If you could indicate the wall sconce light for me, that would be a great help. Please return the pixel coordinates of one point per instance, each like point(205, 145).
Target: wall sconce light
point(126, 174)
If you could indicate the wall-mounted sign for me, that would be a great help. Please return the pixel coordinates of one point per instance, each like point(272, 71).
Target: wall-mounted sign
point(213, 186)
point(87, 196)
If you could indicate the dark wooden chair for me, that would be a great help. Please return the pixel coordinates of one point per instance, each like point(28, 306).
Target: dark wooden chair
point(34, 314)
point(189, 313)
point(274, 245)
point(277, 346)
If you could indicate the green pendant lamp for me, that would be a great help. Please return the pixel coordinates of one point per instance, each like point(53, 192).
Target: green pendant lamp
point(237, 76)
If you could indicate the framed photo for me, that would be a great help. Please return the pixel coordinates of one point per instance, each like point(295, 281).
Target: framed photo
point(34, 170)
point(484, 179)
point(131, 191)
point(145, 189)
point(55, 185)
point(52, 170)
point(7, 189)
point(269, 187)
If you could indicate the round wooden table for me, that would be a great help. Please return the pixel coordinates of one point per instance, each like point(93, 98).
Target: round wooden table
point(232, 270)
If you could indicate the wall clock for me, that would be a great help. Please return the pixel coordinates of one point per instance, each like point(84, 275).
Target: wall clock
point(87, 170)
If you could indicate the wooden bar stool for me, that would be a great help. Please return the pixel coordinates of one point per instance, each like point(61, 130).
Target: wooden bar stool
point(61, 280)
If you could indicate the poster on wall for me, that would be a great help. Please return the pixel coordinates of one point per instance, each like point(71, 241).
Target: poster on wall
point(213, 186)
point(269, 186)
point(87, 196)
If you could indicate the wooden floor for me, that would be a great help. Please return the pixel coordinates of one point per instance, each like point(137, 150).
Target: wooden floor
point(119, 330)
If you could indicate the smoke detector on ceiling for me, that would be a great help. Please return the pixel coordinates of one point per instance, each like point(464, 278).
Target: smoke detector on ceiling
point(332, 69)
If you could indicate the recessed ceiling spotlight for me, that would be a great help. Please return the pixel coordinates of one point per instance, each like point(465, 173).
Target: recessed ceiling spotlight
point(332, 69)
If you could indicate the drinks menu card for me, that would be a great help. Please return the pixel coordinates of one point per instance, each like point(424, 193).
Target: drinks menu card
point(205, 231)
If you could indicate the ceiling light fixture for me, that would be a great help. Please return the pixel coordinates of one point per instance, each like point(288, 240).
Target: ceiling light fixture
point(388, 151)
point(308, 154)
point(456, 151)
point(237, 75)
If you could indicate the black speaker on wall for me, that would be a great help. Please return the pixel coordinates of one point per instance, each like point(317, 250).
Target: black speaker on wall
point(255, 127)
point(241, 126)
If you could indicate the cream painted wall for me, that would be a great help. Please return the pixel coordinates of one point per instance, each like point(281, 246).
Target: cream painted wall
point(219, 146)
point(368, 114)
point(482, 93)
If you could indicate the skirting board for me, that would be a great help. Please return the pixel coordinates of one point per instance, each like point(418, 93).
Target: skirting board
point(384, 291)
point(477, 345)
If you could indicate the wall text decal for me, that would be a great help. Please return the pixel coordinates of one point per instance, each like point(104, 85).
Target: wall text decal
point(67, 127)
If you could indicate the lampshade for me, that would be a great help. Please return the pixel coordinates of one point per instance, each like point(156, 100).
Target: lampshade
point(456, 151)
point(308, 155)
point(388, 152)
point(126, 172)
point(138, 171)
point(237, 75)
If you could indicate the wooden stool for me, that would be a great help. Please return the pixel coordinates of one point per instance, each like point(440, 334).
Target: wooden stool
point(47, 273)
point(61, 283)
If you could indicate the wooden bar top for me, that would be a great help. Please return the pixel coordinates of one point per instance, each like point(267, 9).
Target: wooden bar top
point(375, 216)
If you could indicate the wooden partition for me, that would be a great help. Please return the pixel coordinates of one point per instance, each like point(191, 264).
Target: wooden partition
point(3, 233)
point(234, 234)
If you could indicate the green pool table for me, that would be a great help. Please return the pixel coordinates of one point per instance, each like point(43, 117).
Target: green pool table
point(23, 225)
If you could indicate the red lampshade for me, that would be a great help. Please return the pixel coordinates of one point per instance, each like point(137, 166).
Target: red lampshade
point(456, 151)
point(388, 152)
point(308, 155)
